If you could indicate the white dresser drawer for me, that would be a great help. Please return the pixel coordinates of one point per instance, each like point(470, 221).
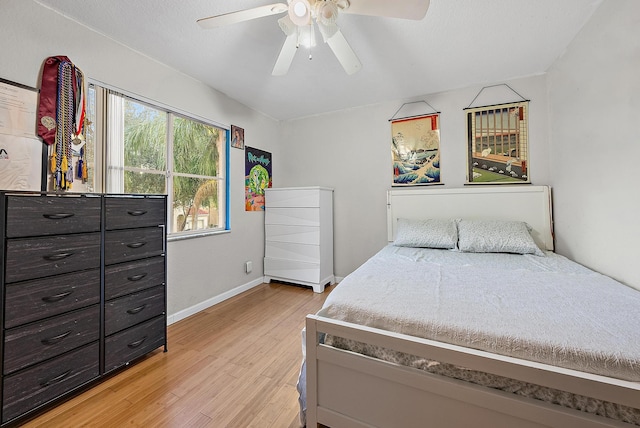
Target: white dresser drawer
point(298, 197)
point(292, 251)
point(294, 234)
point(291, 270)
point(293, 216)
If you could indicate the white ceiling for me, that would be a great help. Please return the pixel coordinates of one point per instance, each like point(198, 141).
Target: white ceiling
point(459, 43)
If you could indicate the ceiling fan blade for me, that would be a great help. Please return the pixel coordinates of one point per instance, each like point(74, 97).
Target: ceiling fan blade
point(285, 58)
point(405, 9)
point(344, 53)
point(242, 15)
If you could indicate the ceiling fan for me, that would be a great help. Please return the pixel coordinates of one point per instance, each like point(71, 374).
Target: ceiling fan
point(297, 24)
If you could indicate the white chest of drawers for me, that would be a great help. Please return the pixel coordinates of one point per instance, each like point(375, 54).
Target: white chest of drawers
point(299, 236)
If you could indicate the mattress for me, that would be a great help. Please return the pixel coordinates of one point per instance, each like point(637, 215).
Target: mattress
point(545, 309)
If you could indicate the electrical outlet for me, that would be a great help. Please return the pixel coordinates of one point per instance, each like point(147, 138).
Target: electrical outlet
point(248, 266)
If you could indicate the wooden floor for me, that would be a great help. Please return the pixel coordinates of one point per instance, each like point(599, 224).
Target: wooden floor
point(233, 365)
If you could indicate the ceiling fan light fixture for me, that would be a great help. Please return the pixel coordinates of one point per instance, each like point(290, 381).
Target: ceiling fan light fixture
point(300, 12)
point(326, 12)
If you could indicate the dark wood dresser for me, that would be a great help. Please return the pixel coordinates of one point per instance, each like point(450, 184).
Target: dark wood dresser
point(83, 292)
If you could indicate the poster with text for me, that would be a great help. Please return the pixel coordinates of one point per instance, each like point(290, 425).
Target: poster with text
point(20, 148)
point(257, 178)
point(20, 163)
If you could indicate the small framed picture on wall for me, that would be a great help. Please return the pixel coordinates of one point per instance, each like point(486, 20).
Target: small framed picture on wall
point(237, 137)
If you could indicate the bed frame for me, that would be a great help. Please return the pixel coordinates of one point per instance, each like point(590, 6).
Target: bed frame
point(346, 389)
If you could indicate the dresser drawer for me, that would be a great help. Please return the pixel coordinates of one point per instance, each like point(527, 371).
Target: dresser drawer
point(28, 389)
point(126, 213)
point(294, 234)
point(292, 270)
point(127, 311)
point(126, 278)
point(35, 342)
point(51, 215)
point(42, 298)
point(298, 197)
point(293, 216)
point(135, 342)
point(29, 258)
point(290, 251)
point(133, 244)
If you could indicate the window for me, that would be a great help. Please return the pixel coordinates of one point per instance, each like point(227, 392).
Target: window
point(136, 147)
point(195, 181)
point(154, 150)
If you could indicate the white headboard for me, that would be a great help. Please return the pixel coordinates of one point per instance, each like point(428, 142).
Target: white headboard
point(525, 203)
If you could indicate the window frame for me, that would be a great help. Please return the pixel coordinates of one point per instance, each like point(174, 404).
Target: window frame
point(101, 163)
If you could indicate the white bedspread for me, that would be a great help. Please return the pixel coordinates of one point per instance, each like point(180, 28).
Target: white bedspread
point(545, 309)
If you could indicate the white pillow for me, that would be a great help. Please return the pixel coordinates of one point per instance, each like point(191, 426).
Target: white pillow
point(429, 233)
point(496, 236)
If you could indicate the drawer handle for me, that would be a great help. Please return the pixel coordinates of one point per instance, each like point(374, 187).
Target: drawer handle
point(57, 216)
point(55, 339)
point(56, 297)
point(137, 343)
point(136, 310)
point(136, 244)
point(56, 379)
point(137, 277)
point(56, 257)
point(137, 212)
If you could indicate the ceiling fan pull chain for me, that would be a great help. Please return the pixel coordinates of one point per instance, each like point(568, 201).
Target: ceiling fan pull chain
point(311, 43)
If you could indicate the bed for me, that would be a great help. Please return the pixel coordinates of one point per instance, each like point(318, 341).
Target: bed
point(448, 338)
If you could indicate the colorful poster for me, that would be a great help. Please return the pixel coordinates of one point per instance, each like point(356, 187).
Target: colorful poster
point(257, 178)
point(415, 150)
point(498, 144)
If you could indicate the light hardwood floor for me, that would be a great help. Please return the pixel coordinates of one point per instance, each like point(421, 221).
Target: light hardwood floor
point(233, 365)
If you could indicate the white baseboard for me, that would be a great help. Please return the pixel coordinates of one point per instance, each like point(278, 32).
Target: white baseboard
point(339, 279)
point(180, 315)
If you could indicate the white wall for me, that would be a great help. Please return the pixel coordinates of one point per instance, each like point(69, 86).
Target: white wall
point(200, 269)
point(584, 142)
point(594, 97)
point(350, 151)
